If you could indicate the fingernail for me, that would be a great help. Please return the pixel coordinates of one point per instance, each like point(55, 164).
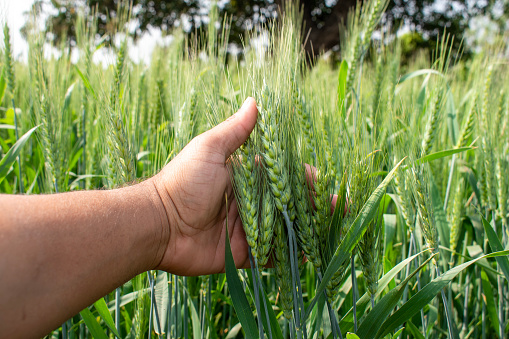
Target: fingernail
point(245, 103)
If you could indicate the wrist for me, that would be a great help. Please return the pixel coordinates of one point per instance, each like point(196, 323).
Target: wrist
point(161, 215)
point(152, 226)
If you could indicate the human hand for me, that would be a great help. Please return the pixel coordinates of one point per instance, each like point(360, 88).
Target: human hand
point(192, 189)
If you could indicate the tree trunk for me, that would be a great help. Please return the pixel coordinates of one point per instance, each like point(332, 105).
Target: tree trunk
point(320, 37)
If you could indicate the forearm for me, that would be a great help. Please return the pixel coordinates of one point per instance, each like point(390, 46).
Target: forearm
point(62, 252)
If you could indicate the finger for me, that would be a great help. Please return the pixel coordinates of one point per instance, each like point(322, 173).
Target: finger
point(234, 131)
point(310, 176)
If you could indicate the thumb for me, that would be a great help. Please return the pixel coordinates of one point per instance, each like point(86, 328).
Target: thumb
point(234, 131)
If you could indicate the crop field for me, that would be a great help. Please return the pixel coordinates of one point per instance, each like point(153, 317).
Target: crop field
point(413, 155)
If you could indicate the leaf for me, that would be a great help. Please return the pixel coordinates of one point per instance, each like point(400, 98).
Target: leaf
point(238, 296)
point(472, 180)
point(425, 295)
point(441, 221)
point(7, 126)
point(274, 325)
point(353, 235)
point(67, 98)
point(422, 95)
point(93, 326)
point(343, 72)
point(75, 159)
point(417, 73)
point(414, 330)
point(442, 154)
point(3, 85)
point(127, 298)
point(12, 154)
point(102, 309)
point(496, 246)
point(195, 320)
point(32, 185)
point(476, 251)
point(352, 336)
point(161, 296)
point(490, 301)
point(452, 117)
point(370, 325)
point(234, 331)
point(396, 335)
point(86, 83)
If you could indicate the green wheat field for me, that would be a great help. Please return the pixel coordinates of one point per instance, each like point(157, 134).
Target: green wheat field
point(414, 154)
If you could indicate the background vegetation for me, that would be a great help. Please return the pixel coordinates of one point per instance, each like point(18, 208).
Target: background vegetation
point(322, 18)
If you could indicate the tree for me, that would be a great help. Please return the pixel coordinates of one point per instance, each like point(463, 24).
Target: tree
point(322, 18)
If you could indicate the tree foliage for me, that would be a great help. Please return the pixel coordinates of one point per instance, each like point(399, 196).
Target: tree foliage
point(322, 18)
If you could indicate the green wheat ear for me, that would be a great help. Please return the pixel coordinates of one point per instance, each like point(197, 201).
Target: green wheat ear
point(268, 213)
point(272, 153)
point(247, 177)
point(306, 233)
point(457, 211)
point(9, 60)
point(424, 207)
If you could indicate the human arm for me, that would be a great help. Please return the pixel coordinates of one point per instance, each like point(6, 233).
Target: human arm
point(60, 253)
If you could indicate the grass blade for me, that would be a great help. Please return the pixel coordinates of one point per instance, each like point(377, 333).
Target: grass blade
point(104, 312)
point(347, 321)
point(442, 154)
point(496, 245)
point(425, 295)
point(161, 301)
point(93, 325)
point(490, 301)
point(381, 311)
point(238, 296)
point(343, 72)
point(12, 154)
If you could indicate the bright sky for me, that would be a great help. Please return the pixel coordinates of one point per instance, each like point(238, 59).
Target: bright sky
point(13, 11)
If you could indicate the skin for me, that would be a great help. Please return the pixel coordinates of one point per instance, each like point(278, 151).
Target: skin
point(62, 252)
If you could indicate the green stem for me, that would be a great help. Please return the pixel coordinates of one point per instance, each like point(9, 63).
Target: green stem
point(64, 330)
point(256, 293)
point(151, 305)
point(354, 292)
point(299, 286)
point(410, 252)
point(465, 306)
point(499, 287)
point(332, 315)
point(170, 302)
point(262, 293)
point(177, 307)
point(295, 277)
point(117, 309)
point(449, 182)
point(21, 189)
point(186, 309)
point(448, 314)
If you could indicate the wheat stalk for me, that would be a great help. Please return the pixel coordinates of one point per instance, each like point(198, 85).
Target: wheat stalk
point(282, 268)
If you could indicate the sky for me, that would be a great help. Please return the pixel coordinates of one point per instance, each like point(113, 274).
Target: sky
point(13, 11)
